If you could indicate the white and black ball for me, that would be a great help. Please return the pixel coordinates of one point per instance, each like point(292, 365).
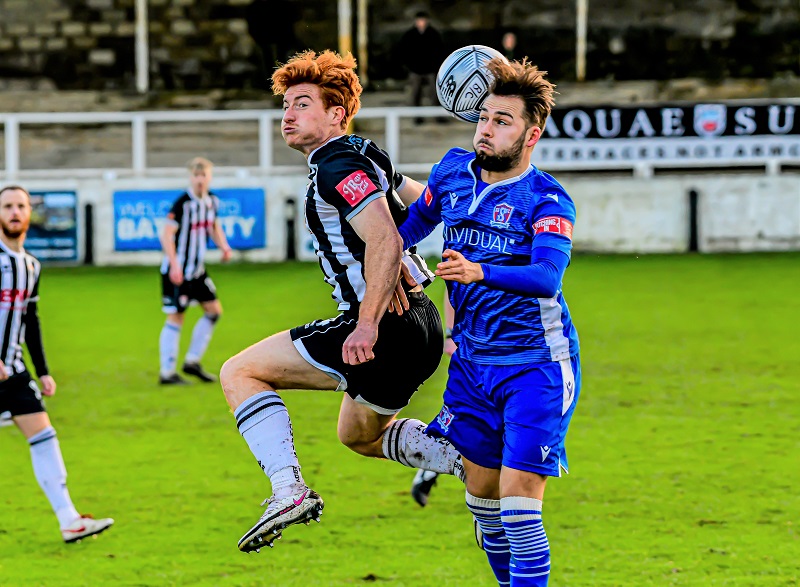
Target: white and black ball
point(463, 81)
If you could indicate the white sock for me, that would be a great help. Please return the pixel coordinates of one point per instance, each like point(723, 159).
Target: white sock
point(264, 423)
point(168, 347)
point(405, 441)
point(201, 336)
point(50, 472)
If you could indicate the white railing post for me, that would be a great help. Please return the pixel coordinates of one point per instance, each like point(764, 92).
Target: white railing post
point(142, 49)
point(643, 170)
point(264, 141)
point(11, 128)
point(393, 136)
point(773, 167)
point(139, 144)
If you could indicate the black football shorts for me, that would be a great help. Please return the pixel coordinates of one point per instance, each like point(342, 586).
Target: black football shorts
point(176, 298)
point(20, 395)
point(407, 352)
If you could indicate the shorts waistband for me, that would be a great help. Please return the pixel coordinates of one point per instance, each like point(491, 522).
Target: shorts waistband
point(415, 298)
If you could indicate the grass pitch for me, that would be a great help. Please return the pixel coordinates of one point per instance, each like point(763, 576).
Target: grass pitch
point(683, 447)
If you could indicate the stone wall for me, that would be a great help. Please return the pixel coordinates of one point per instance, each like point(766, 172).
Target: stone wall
point(203, 44)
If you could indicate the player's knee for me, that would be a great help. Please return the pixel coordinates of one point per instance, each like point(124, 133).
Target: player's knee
point(176, 319)
point(357, 445)
point(213, 317)
point(229, 373)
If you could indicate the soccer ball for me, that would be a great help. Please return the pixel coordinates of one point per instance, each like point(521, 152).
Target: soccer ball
point(463, 81)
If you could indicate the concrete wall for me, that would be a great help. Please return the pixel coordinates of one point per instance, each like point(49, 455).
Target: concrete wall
point(630, 215)
point(749, 214)
point(738, 213)
point(620, 215)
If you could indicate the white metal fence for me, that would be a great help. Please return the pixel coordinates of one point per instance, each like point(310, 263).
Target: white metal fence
point(267, 120)
point(138, 122)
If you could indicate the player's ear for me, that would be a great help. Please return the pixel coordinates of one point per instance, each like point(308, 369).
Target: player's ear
point(337, 114)
point(534, 133)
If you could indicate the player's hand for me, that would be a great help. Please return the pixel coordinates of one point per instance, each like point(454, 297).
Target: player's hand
point(175, 274)
point(399, 301)
point(450, 347)
point(226, 255)
point(456, 267)
point(357, 349)
point(48, 385)
point(3, 372)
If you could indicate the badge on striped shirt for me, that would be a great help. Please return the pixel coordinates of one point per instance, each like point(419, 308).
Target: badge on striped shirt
point(355, 187)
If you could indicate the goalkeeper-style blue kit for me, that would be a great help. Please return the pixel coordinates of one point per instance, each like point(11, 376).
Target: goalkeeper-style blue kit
point(515, 379)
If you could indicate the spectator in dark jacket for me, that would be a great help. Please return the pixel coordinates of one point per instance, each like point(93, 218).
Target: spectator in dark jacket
point(271, 25)
point(421, 50)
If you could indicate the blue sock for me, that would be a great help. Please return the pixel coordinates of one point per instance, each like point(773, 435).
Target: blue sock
point(530, 551)
point(495, 543)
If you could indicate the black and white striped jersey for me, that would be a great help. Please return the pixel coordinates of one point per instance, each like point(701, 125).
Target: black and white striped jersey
point(19, 293)
point(346, 174)
point(195, 219)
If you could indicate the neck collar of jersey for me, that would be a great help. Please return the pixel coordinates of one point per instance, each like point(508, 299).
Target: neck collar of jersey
point(330, 140)
point(478, 198)
point(195, 196)
point(10, 251)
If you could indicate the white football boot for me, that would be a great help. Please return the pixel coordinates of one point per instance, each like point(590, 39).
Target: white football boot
point(304, 506)
point(85, 526)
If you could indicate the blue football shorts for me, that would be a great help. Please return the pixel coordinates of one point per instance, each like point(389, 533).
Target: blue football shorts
point(511, 415)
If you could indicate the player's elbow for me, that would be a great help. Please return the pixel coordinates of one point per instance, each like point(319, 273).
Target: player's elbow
point(549, 289)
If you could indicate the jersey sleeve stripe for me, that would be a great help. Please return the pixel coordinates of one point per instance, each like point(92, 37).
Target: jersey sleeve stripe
point(374, 196)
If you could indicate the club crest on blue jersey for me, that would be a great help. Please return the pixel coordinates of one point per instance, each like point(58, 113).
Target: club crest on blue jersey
point(445, 418)
point(501, 215)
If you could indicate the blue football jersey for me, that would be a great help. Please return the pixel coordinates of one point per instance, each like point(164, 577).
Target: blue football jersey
point(500, 226)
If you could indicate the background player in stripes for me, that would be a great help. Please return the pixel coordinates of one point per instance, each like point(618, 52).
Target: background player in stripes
point(379, 358)
point(184, 280)
point(19, 394)
point(514, 380)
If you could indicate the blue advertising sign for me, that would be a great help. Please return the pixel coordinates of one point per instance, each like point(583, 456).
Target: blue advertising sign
point(139, 216)
point(53, 234)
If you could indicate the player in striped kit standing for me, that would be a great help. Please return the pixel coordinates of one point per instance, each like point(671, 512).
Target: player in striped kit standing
point(20, 396)
point(191, 221)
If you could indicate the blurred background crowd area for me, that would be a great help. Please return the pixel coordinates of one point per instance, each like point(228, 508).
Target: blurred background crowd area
point(224, 49)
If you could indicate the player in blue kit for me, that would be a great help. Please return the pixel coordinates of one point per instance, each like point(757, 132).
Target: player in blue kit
point(514, 381)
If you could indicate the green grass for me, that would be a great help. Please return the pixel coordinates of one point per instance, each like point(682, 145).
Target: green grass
point(684, 446)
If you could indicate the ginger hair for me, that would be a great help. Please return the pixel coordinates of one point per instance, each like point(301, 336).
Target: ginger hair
point(333, 74)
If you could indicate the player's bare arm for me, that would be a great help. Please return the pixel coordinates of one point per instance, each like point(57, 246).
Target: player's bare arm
point(410, 190)
point(456, 267)
point(219, 238)
point(3, 372)
point(168, 246)
point(374, 225)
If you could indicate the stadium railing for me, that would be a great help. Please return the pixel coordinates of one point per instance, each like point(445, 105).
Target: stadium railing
point(138, 122)
point(267, 121)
